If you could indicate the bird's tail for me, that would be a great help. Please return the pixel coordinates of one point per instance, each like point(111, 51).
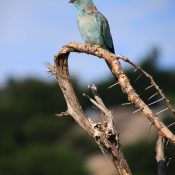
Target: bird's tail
point(112, 51)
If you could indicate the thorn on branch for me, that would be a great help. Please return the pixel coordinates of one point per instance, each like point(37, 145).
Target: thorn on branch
point(168, 162)
point(163, 110)
point(135, 70)
point(125, 104)
point(78, 114)
point(149, 87)
point(137, 78)
point(153, 96)
point(147, 75)
point(171, 124)
point(168, 141)
point(137, 110)
point(156, 101)
point(113, 85)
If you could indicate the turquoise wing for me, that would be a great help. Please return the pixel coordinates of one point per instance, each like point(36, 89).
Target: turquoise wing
point(104, 29)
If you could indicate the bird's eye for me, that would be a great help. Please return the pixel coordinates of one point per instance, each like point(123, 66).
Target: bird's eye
point(72, 1)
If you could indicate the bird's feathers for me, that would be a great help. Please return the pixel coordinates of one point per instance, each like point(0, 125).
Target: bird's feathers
point(92, 25)
point(104, 29)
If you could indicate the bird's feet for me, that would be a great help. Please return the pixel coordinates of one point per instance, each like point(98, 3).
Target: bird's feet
point(92, 46)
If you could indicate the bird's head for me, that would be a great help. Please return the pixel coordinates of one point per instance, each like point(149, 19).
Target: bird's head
point(84, 5)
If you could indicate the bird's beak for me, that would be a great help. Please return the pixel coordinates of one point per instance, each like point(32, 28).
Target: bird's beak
point(71, 1)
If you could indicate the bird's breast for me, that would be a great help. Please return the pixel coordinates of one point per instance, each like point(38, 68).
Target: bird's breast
point(89, 30)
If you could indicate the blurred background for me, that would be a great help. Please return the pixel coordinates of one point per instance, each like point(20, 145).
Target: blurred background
point(34, 141)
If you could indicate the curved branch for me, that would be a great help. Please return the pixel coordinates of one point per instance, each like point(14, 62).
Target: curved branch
point(104, 133)
point(113, 60)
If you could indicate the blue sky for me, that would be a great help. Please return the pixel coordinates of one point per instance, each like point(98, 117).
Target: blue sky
point(32, 31)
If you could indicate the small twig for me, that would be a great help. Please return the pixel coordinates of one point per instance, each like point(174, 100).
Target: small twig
point(51, 68)
point(108, 127)
point(95, 103)
point(63, 114)
point(97, 96)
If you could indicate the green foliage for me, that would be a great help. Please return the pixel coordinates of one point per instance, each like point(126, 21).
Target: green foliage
point(41, 160)
point(141, 158)
point(32, 138)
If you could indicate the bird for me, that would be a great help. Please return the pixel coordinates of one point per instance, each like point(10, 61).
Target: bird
point(93, 25)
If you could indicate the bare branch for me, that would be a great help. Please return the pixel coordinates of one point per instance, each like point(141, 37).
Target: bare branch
point(109, 131)
point(151, 79)
point(62, 114)
point(160, 156)
point(104, 133)
point(113, 60)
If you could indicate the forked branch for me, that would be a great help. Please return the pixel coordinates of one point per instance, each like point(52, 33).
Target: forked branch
point(104, 133)
point(113, 60)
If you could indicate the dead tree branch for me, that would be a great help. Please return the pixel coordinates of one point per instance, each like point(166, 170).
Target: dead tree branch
point(104, 133)
point(160, 156)
point(153, 83)
point(61, 71)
